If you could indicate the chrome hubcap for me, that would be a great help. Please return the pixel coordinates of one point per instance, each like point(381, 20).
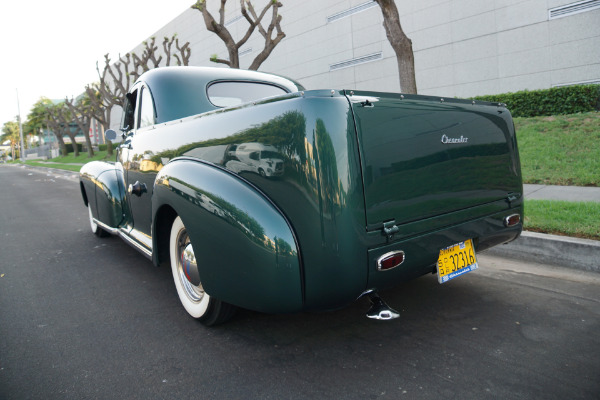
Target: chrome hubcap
point(187, 268)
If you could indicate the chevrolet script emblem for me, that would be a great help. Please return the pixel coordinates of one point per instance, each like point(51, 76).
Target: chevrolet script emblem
point(449, 140)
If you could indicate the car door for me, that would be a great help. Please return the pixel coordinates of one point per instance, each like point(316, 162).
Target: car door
point(140, 167)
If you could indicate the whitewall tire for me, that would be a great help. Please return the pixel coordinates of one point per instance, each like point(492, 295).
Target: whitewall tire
point(184, 266)
point(95, 228)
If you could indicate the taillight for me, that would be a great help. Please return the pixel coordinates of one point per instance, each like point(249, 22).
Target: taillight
point(512, 220)
point(390, 260)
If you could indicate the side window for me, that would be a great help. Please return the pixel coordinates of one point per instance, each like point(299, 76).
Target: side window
point(227, 94)
point(129, 111)
point(146, 109)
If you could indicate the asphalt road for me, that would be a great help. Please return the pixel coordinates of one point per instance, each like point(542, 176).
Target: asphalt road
point(89, 318)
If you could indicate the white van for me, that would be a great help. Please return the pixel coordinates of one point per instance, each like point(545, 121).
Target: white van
point(256, 157)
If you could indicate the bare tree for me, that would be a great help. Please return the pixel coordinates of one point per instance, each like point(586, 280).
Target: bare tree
point(99, 110)
point(82, 116)
point(114, 83)
point(115, 79)
point(182, 56)
point(255, 22)
point(59, 127)
point(401, 44)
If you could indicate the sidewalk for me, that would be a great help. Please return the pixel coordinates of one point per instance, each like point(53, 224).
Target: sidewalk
point(566, 193)
point(552, 249)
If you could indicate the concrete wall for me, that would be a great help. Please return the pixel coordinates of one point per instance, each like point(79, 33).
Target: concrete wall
point(462, 47)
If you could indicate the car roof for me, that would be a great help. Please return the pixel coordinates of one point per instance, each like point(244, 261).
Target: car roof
point(180, 92)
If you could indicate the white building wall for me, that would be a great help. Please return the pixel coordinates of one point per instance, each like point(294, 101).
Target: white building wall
point(462, 47)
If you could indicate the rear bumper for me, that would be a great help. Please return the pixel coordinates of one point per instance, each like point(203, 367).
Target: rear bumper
point(421, 252)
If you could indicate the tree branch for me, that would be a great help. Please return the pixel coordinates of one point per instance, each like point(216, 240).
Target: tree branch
point(254, 21)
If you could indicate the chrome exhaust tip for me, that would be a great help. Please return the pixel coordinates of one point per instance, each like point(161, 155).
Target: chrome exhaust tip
point(379, 310)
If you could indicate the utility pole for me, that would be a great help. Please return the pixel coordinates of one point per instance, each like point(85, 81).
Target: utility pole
point(22, 152)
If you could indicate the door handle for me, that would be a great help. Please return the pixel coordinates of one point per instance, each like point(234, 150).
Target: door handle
point(137, 188)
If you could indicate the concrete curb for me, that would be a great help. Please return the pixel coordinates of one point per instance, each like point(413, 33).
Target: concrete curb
point(561, 251)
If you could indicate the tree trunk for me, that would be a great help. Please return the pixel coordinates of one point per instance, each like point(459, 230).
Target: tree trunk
point(82, 115)
point(401, 44)
point(74, 143)
point(88, 142)
point(63, 146)
point(109, 145)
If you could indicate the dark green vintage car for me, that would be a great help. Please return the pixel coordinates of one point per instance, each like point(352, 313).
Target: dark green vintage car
point(262, 195)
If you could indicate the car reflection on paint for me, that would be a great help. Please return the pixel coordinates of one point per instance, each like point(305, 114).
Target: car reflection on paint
point(262, 159)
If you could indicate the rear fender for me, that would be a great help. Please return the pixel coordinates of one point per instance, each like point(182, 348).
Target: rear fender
point(103, 190)
point(247, 252)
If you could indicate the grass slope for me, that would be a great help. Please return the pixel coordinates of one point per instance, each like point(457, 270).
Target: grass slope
point(560, 150)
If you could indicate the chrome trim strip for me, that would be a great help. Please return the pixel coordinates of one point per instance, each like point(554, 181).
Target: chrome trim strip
point(386, 255)
point(141, 238)
point(132, 242)
point(112, 231)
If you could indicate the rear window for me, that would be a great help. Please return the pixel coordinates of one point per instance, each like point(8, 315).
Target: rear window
point(227, 94)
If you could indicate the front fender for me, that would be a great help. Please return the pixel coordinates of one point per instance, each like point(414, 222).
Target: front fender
point(103, 191)
point(246, 250)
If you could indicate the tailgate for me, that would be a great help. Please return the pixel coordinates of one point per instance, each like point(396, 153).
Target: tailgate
point(424, 156)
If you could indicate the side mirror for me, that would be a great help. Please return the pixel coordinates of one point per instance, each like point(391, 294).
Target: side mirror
point(110, 135)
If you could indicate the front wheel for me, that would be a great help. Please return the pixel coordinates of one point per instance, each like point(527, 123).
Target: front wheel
point(184, 266)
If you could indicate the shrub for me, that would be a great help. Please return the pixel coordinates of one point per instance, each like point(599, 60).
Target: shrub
point(102, 147)
point(70, 148)
point(554, 101)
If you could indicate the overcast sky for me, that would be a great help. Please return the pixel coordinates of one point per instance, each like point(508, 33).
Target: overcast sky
point(50, 48)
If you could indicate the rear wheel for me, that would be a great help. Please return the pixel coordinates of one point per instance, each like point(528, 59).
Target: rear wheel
point(184, 266)
point(95, 228)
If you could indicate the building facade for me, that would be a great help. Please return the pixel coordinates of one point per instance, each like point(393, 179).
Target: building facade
point(462, 48)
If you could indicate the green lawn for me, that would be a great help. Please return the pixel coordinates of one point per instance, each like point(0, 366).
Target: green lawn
point(68, 167)
point(70, 162)
point(560, 150)
point(82, 159)
point(578, 219)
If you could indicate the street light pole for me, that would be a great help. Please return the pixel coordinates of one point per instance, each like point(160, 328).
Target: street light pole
point(22, 152)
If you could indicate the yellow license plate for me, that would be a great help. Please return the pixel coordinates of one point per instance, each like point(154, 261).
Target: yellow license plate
point(456, 260)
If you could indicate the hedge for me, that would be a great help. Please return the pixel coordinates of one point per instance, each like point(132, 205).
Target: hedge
point(70, 149)
point(554, 101)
